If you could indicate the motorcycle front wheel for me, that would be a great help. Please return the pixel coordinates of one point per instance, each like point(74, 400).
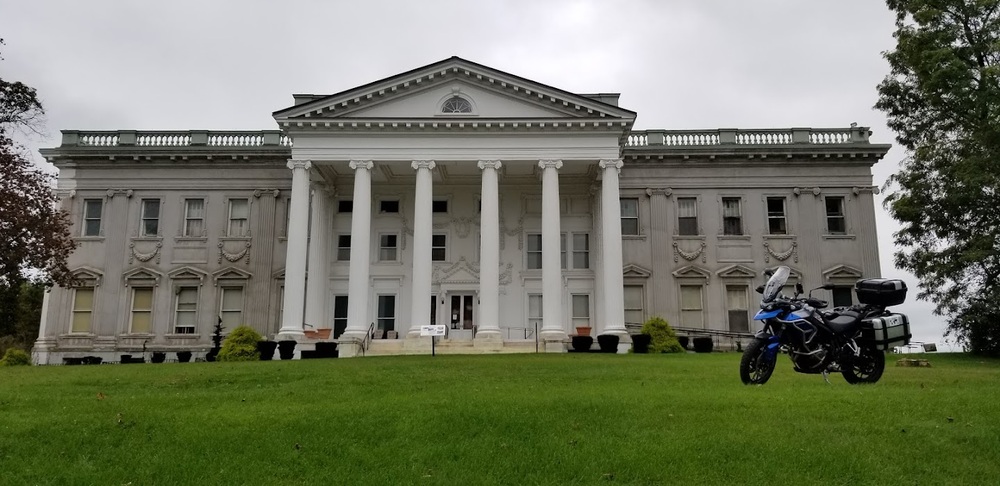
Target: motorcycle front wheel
point(757, 363)
point(867, 367)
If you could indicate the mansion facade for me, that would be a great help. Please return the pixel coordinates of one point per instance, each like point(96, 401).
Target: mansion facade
point(509, 211)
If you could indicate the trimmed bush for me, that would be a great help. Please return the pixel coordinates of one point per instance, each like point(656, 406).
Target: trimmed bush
point(702, 344)
point(15, 357)
point(240, 345)
point(663, 338)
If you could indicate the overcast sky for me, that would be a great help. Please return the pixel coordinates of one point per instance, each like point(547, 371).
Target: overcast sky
point(681, 64)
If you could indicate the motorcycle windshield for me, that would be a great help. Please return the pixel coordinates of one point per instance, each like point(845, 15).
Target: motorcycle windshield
point(775, 284)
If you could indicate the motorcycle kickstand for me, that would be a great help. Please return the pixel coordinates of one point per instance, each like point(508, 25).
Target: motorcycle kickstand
point(826, 376)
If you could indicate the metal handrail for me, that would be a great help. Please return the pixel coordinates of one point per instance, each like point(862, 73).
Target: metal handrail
point(368, 337)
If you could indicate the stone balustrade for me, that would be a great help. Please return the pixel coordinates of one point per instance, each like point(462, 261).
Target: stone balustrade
point(167, 139)
point(755, 137)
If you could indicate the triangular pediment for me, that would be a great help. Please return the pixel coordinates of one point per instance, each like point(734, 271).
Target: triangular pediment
point(635, 271)
point(230, 273)
point(692, 271)
point(793, 274)
point(142, 275)
point(736, 271)
point(187, 273)
point(842, 271)
point(87, 276)
point(419, 94)
point(460, 272)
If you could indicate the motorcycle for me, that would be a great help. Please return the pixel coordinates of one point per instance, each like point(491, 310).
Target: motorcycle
point(850, 340)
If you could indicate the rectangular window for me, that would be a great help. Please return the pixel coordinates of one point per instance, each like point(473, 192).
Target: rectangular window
point(239, 217)
point(842, 297)
point(186, 310)
point(732, 220)
point(687, 216)
point(633, 305)
point(194, 217)
point(345, 206)
point(630, 216)
point(776, 216)
point(736, 305)
point(142, 310)
point(231, 307)
point(387, 312)
point(339, 315)
point(387, 245)
point(92, 217)
point(388, 206)
point(836, 224)
point(534, 311)
point(83, 309)
point(581, 310)
point(534, 251)
point(439, 206)
point(344, 248)
point(150, 217)
point(439, 248)
point(581, 251)
point(691, 306)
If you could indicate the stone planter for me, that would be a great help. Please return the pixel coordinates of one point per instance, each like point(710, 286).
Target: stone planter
point(320, 333)
point(266, 349)
point(286, 349)
point(158, 357)
point(608, 343)
point(702, 344)
point(640, 343)
point(583, 330)
point(183, 356)
point(581, 344)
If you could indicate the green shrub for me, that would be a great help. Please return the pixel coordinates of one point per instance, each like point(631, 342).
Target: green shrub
point(15, 357)
point(664, 339)
point(240, 345)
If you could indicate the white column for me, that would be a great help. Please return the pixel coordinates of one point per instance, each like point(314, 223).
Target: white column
point(489, 251)
point(318, 263)
point(420, 304)
point(295, 258)
point(611, 237)
point(361, 229)
point(552, 324)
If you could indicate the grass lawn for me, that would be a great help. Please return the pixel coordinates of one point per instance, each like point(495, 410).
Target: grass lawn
point(504, 419)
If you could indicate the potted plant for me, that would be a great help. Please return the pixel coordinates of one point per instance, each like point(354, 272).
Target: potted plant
point(158, 357)
point(640, 343)
point(608, 343)
point(183, 356)
point(583, 330)
point(702, 344)
point(266, 349)
point(286, 349)
point(582, 344)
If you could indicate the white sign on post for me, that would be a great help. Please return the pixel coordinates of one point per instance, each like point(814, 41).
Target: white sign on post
point(438, 330)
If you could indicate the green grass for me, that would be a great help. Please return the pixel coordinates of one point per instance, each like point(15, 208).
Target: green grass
point(507, 419)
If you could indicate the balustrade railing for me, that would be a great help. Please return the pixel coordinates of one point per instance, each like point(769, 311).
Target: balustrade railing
point(733, 136)
point(192, 138)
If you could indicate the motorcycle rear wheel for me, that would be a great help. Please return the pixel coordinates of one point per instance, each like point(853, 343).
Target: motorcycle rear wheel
point(757, 364)
point(866, 367)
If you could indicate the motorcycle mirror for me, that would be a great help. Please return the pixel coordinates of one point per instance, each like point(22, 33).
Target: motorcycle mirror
point(798, 289)
point(760, 289)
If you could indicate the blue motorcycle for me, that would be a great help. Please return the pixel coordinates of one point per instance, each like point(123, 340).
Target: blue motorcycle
point(849, 340)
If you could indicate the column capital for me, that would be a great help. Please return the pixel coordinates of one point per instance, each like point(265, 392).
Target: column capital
point(553, 163)
point(659, 191)
point(490, 164)
point(423, 164)
point(361, 164)
point(299, 164)
point(608, 163)
point(323, 187)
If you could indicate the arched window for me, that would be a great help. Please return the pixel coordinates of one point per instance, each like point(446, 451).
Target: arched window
point(456, 104)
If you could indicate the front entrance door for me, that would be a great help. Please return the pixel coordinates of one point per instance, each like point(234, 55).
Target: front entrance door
point(461, 311)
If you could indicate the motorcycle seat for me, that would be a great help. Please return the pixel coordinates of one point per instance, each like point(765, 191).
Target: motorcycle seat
point(843, 321)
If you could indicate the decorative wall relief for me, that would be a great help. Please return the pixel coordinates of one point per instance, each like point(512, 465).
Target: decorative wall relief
point(690, 255)
point(769, 252)
point(144, 250)
point(234, 249)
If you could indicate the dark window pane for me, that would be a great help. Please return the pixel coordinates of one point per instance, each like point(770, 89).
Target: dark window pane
point(842, 297)
point(731, 226)
point(739, 321)
point(438, 240)
point(630, 226)
point(439, 206)
point(437, 254)
point(345, 206)
point(688, 226)
point(389, 206)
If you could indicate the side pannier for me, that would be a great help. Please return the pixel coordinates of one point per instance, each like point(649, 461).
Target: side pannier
point(886, 332)
point(881, 291)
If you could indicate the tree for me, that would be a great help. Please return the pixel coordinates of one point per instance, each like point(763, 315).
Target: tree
point(35, 239)
point(942, 98)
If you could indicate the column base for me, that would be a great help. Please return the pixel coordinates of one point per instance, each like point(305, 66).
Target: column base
point(489, 340)
point(289, 334)
point(349, 344)
point(554, 341)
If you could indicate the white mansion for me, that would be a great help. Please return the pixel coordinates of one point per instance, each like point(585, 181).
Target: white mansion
point(510, 211)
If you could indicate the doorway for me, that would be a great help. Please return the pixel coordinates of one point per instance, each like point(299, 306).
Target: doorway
point(461, 311)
